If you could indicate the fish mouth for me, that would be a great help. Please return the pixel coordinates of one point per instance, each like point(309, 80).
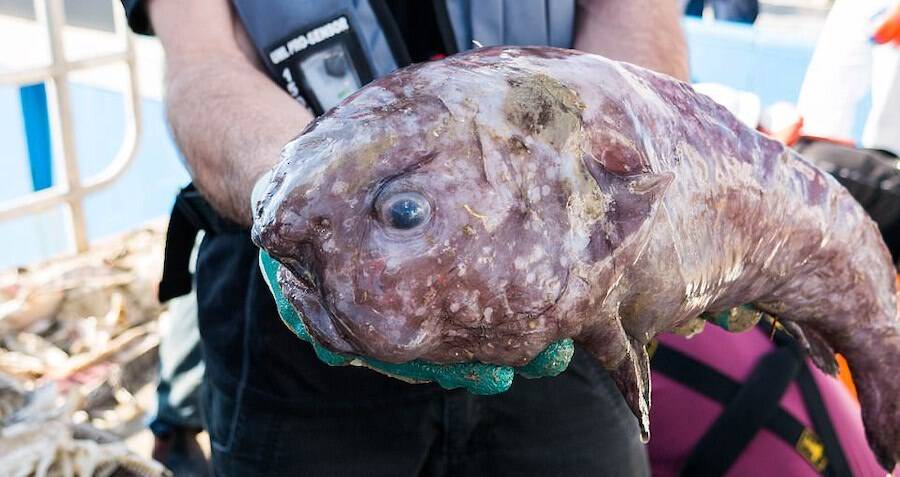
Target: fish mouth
point(302, 283)
point(509, 343)
point(308, 300)
point(335, 331)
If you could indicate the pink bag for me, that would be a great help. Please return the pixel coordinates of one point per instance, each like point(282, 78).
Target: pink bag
point(682, 415)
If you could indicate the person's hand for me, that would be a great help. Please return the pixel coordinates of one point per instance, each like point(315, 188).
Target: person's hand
point(781, 122)
point(477, 378)
point(888, 31)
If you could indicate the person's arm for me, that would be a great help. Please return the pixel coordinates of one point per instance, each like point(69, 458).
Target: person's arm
point(644, 32)
point(229, 119)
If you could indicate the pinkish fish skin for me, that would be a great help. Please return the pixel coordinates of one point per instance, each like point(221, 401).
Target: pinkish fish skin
point(570, 196)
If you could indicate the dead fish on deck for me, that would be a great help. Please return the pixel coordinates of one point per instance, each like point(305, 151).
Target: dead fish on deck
point(484, 206)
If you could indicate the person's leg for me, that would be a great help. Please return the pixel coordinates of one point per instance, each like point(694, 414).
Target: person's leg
point(574, 424)
point(180, 365)
point(741, 11)
point(178, 419)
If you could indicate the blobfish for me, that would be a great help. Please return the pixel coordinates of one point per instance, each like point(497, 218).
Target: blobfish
point(483, 206)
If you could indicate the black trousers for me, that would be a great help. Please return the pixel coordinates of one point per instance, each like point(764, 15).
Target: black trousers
point(571, 425)
point(272, 408)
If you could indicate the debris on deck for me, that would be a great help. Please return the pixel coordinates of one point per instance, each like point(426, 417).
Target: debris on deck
point(77, 340)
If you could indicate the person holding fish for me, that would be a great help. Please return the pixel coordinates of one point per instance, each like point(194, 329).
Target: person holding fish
point(243, 77)
point(509, 201)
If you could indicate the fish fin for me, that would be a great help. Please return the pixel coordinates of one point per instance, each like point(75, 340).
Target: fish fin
point(617, 142)
point(735, 320)
point(627, 363)
point(690, 327)
point(626, 228)
point(650, 185)
point(821, 353)
point(632, 377)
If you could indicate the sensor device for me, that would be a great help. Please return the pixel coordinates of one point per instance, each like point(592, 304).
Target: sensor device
point(321, 65)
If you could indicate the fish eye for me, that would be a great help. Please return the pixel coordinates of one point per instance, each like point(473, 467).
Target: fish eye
point(405, 211)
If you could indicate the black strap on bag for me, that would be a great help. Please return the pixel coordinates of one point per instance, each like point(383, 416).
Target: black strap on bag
point(753, 405)
point(190, 214)
point(813, 444)
point(818, 414)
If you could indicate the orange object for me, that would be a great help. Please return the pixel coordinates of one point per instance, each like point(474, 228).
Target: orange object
point(889, 30)
point(788, 135)
point(844, 370)
point(845, 377)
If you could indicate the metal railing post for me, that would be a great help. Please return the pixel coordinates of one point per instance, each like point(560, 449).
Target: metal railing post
point(72, 191)
point(53, 15)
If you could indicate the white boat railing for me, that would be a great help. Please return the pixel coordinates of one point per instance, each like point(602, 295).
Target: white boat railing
point(72, 191)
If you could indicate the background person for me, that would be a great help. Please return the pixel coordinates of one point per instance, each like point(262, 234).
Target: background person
point(848, 64)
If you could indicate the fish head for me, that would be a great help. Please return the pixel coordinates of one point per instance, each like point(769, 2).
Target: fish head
point(435, 219)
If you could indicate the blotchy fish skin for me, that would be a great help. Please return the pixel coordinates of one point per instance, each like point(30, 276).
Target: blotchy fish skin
point(558, 194)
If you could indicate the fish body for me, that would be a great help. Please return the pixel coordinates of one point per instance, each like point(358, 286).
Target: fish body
point(481, 207)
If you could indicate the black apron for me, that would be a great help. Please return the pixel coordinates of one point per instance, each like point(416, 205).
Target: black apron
point(272, 407)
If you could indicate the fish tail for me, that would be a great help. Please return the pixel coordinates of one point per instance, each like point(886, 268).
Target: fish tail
point(876, 374)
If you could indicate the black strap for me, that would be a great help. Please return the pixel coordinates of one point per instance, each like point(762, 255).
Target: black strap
point(824, 441)
point(752, 406)
point(391, 32)
point(824, 454)
point(718, 387)
point(818, 414)
point(190, 214)
point(448, 37)
point(180, 236)
point(199, 212)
